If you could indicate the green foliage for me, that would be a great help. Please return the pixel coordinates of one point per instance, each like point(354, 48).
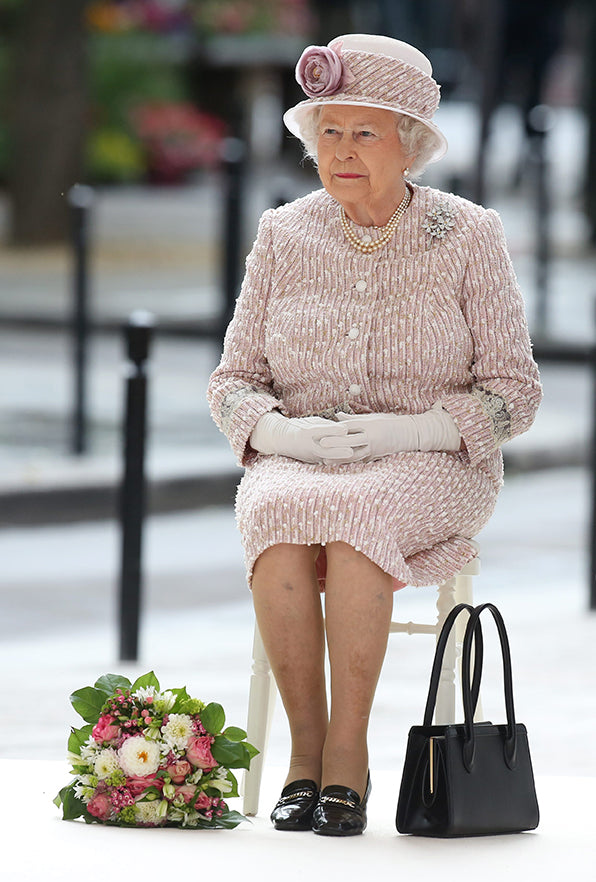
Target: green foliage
point(88, 703)
point(131, 69)
point(145, 681)
point(110, 683)
point(213, 718)
point(231, 754)
point(78, 737)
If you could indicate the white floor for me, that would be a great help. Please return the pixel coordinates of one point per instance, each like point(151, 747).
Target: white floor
point(38, 845)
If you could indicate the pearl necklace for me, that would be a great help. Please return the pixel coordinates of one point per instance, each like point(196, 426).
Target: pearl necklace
point(388, 229)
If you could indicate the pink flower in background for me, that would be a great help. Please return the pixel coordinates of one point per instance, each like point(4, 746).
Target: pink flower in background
point(104, 730)
point(198, 752)
point(321, 70)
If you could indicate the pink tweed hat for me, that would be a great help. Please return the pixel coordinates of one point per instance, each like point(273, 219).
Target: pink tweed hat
point(370, 71)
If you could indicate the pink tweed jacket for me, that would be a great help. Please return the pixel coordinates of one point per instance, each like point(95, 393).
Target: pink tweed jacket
point(436, 315)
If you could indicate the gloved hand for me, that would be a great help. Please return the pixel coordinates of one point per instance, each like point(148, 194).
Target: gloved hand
point(386, 433)
point(309, 439)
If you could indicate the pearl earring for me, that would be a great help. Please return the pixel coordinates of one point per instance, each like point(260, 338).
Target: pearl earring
point(406, 172)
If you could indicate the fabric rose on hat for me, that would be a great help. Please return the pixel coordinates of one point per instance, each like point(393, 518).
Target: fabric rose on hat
point(322, 71)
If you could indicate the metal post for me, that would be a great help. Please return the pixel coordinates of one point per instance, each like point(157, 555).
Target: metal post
point(80, 198)
point(540, 122)
point(592, 466)
point(233, 156)
point(133, 488)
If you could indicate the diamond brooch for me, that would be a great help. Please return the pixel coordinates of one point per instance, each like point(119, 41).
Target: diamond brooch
point(439, 220)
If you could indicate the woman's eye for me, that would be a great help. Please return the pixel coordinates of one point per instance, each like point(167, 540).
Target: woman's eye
point(366, 134)
point(329, 131)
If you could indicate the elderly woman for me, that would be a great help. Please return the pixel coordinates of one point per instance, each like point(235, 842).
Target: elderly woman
point(377, 360)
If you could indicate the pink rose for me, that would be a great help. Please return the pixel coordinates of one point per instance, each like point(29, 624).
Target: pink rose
point(186, 791)
point(198, 752)
point(321, 70)
point(104, 730)
point(138, 784)
point(100, 806)
point(179, 770)
point(202, 802)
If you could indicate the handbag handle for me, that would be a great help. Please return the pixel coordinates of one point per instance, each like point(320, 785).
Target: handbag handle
point(438, 662)
point(469, 698)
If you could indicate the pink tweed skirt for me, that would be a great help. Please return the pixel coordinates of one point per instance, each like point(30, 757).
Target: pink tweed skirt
point(412, 514)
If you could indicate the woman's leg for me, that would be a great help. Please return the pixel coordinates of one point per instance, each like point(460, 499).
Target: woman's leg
point(358, 607)
point(288, 607)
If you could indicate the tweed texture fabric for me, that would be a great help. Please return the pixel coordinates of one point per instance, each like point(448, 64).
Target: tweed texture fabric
point(389, 82)
point(436, 315)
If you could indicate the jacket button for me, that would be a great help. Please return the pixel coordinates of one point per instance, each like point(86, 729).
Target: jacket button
point(353, 333)
point(360, 285)
point(354, 389)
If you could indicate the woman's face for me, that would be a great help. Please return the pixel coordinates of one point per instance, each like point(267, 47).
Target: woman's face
point(360, 156)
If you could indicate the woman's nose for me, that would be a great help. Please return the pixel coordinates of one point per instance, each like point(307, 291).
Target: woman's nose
point(345, 147)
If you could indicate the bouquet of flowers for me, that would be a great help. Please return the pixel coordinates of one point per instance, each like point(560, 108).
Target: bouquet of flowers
point(151, 758)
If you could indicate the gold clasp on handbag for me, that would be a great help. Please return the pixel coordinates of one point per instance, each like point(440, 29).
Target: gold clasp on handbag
point(431, 767)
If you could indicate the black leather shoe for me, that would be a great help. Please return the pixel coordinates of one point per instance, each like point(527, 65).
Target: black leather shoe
point(294, 809)
point(340, 811)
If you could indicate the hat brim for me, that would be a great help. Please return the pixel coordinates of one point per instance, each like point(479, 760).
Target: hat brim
point(295, 117)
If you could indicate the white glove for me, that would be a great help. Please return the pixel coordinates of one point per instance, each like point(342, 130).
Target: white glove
point(309, 439)
point(386, 433)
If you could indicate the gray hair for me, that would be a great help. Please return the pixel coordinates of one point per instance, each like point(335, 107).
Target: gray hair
point(416, 139)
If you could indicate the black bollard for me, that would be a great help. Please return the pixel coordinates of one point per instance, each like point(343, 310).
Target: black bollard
point(80, 198)
point(138, 333)
point(539, 123)
point(592, 467)
point(233, 156)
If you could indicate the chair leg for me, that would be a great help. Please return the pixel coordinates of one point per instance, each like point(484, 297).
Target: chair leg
point(445, 705)
point(459, 589)
point(261, 703)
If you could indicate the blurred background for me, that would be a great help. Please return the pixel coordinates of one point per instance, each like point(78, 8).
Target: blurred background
point(140, 140)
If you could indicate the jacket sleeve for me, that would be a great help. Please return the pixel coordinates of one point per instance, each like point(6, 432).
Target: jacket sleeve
point(240, 389)
point(506, 388)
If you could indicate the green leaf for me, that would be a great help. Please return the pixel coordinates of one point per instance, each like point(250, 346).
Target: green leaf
point(181, 696)
point(229, 820)
point(78, 737)
point(231, 754)
point(109, 683)
point(233, 733)
point(144, 681)
point(213, 718)
point(252, 750)
point(88, 702)
point(72, 807)
point(234, 791)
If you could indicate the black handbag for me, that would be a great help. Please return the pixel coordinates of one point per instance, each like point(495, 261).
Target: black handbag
point(469, 779)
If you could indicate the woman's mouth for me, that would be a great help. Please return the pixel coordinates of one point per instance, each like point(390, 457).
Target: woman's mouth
point(348, 175)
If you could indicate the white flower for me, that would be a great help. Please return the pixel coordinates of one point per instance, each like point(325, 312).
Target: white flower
point(177, 730)
point(106, 763)
point(145, 692)
point(151, 813)
point(139, 757)
point(221, 785)
point(89, 749)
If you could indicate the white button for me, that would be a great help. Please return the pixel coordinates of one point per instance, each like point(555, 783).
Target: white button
point(366, 239)
point(360, 285)
point(353, 333)
point(354, 389)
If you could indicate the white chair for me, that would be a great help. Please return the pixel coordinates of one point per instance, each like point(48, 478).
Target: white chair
point(261, 700)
